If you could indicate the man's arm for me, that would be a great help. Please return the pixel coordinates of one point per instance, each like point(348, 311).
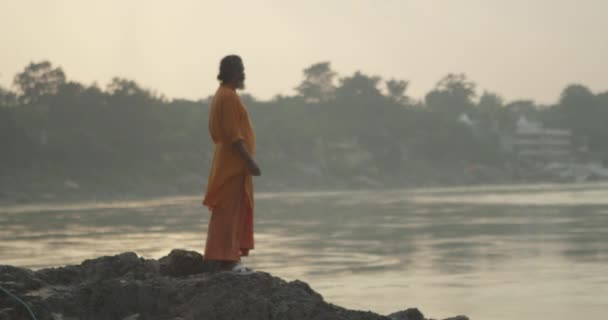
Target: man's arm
point(251, 165)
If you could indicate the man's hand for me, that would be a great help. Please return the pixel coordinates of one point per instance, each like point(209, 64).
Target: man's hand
point(253, 168)
point(251, 165)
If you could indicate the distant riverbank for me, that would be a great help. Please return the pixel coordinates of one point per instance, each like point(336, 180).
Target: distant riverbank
point(35, 187)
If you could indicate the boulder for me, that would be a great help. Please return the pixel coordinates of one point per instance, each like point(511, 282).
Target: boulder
point(178, 286)
point(408, 314)
point(184, 263)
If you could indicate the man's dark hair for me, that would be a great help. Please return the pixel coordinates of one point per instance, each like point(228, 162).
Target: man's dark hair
point(230, 66)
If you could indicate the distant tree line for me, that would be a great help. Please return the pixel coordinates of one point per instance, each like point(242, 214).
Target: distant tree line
point(354, 125)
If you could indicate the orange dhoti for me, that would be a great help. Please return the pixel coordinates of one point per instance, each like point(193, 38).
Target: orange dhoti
point(230, 232)
point(229, 193)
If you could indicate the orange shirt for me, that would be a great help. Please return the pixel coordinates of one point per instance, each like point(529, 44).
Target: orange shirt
point(228, 123)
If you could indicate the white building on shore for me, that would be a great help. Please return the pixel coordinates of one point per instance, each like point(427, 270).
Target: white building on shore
point(532, 141)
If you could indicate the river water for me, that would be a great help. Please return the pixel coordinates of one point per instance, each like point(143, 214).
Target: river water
point(490, 252)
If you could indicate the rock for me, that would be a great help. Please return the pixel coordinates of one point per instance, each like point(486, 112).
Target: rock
point(184, 263)
point(178, 286)
point(13, 278)
point(408, 314)
point(108, 267)
point(461, 317)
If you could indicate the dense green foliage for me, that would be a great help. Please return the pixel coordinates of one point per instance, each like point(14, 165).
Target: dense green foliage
point(332, 128)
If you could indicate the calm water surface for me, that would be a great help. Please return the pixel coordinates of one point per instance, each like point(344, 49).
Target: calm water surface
point(492, 252)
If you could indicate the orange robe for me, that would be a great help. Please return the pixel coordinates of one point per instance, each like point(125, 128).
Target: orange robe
point(229, 193)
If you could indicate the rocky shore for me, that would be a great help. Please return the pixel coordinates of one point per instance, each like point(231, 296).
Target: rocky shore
point(177, 286)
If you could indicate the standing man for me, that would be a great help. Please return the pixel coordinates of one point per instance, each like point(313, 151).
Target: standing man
point(229, 193)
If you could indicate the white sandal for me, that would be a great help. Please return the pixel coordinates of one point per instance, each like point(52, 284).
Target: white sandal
point(241, 269)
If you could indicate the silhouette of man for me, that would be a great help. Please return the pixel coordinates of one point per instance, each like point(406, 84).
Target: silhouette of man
point(229, 193)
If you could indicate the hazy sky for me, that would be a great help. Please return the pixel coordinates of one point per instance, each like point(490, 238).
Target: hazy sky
point(517, 48)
